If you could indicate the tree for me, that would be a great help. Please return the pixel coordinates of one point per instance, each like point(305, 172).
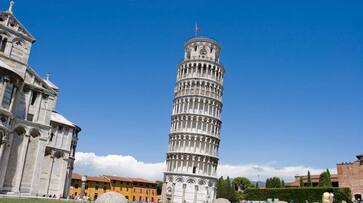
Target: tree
point(221, 189)
point(301, 182)
point(309, 183)
point(274, 182)
point(325, 180)
point(225, 189)
point(159, 186)
point(231, 193)
point(242, 183)
point(328, 172)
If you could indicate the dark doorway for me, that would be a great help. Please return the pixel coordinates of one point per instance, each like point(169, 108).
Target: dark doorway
point(358, 197)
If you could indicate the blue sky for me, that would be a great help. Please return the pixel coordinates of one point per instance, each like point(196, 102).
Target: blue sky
point(293, 88)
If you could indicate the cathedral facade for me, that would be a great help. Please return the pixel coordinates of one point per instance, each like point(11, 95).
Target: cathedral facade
point(37, 144)
point(194, 137)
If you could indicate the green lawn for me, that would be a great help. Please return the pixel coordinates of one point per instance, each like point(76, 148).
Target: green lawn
point(4, 200)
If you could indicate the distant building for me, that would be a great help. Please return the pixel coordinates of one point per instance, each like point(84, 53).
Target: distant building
point(314, 181)
point(351, 175)
point(37, 144)
point(134, 189)
point(348, 175)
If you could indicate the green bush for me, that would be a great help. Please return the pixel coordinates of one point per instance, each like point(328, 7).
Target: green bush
point(299, 195)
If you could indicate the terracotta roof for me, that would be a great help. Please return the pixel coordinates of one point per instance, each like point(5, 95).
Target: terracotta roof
point(119, 178)
point(140, 180)
point(97, 179)
point(76, 176)
point(107, 178)
point(334, 177)
point(314, 178)
point(293, 184)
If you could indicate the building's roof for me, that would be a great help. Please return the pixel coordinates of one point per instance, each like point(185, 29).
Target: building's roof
point(51, 84)
point(76, 176)
point(56, 117)
point(314, 179)
point(107, 178)
point(21, 28)
point(118, 178)
point(140, 180)
point(97, 179)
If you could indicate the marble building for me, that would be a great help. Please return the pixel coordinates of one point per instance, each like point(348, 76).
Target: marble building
point(37, 144)
point(194, 137)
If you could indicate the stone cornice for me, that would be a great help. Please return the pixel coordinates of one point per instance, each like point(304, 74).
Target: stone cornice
point(198, 96)
point(184, 61)
point(193, 154)
point(190, 174)
point(195, 134)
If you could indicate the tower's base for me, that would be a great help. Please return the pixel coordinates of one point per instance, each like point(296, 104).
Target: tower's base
point(178, 188)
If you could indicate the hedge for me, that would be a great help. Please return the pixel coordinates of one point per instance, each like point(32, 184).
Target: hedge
point(299, 195)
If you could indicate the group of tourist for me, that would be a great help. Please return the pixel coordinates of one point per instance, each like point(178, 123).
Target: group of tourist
point(328, 197)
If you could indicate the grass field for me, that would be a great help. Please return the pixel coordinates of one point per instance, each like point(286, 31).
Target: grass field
point(5, 200)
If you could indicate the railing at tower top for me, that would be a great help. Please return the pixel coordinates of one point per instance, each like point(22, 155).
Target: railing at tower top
point(201, 57)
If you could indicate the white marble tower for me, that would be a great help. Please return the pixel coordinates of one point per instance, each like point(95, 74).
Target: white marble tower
point(194, 136)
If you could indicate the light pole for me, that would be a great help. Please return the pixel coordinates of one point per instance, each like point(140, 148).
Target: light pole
point(83, 187)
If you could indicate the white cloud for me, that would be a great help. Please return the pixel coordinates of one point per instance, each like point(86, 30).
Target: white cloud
point(92, 164)
point(120, 165)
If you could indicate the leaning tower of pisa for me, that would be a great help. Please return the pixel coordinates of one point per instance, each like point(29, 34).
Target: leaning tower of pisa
point(194, 137)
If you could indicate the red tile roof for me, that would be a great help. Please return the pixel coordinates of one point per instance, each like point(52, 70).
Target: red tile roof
point(119, 178)
point(334, 177)
point(140, 180)
point(97, 179)
point(76, 176)
point(314, 178)
point(107, 178)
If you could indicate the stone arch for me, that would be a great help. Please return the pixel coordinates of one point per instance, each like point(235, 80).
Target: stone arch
point(179, 179)
point(20, 130)
point(58, 154)
point(191, 181)
point(202, 182)
point(34, 132)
